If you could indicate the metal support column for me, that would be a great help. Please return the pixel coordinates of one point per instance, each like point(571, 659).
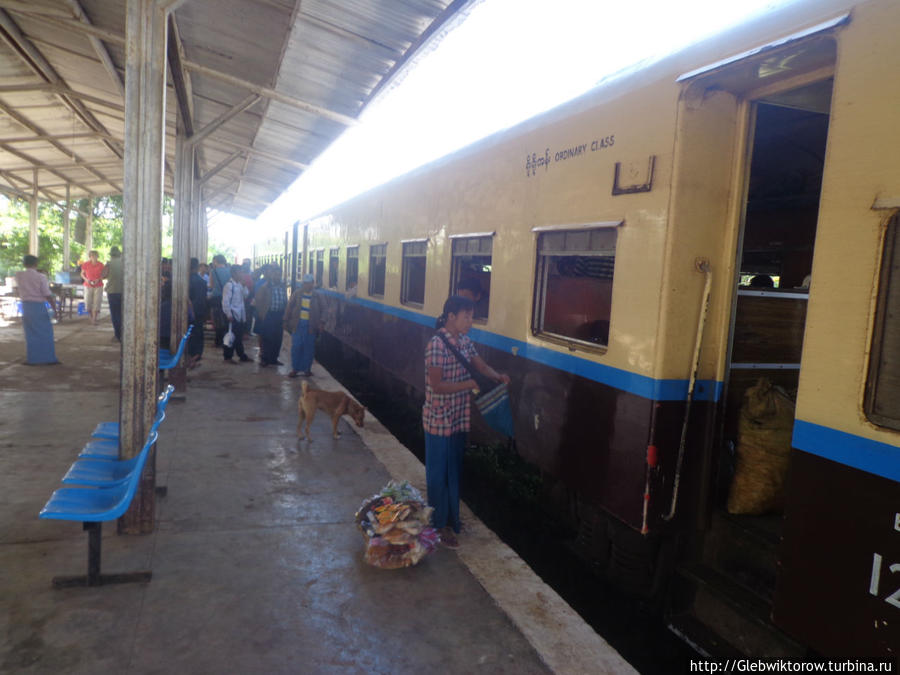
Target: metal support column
point(145, 97)
point(67, 233)
point(89, 228)
point(197, 250)
point(293, 270)
point(33, 217)
point(181, 247)
point(204, 227)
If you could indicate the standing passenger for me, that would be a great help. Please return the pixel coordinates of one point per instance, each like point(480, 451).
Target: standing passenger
point(34, 291)
point(304, 319)
point(233, 308)
point(218, 277)
point(113, 273)
point(446, 414)
point(197, 294)
point(271, 301)
point(92, 273)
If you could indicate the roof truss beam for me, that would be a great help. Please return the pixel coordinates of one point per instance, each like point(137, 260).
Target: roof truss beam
point(262, 154)
point(34, 138)
point(38, 164)
point(19, 119)
point(100, 49)
point(221, 165)
point(234, 111)
point(51, 196)
point(31, 55)
point(265, 92)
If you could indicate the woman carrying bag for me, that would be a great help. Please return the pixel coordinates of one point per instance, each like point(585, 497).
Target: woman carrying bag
point(446, 415)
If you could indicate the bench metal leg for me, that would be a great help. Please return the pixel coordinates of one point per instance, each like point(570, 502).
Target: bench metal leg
point(94, 578)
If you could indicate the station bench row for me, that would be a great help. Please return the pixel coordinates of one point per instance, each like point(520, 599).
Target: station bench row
point(107, 485)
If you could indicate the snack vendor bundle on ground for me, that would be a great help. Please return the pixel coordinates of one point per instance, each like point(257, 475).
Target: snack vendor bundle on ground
point(396, 523)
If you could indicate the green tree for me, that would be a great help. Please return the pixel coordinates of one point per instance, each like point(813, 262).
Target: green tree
point(106, 231)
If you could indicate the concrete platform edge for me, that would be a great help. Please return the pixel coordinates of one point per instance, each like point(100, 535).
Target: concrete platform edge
point(560, 636)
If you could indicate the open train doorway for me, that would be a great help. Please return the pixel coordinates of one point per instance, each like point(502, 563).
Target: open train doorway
point(771, 290)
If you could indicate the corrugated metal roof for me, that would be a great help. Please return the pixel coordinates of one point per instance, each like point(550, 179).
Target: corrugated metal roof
point(62, 110)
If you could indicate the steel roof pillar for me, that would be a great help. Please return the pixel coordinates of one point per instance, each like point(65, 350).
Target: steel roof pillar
point(33, 216)
point(203, 225)
point(197, 245)
point(181, 248)
point(145, 99)
point(67, 232)
point(89, 227)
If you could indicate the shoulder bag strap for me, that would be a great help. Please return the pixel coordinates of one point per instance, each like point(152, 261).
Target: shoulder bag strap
point(484, 383)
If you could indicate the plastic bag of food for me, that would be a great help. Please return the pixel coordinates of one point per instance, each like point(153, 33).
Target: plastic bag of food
point(396, 524)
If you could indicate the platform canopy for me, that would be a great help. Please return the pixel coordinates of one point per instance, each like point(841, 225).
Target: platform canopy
point(264, 86)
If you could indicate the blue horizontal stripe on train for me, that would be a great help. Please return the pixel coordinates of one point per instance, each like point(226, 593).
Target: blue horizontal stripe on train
point(640, 385)
point(839, 446)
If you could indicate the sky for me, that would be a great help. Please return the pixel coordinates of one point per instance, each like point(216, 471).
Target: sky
point(507, 61)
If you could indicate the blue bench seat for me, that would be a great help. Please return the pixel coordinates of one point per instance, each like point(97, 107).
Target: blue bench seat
point(106, 430)
point(167, 360)
point(100, 472)
point(108, 448)
point(92, 507)
point(110, 430)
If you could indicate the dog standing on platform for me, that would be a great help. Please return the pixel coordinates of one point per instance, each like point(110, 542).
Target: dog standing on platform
point(335, 403)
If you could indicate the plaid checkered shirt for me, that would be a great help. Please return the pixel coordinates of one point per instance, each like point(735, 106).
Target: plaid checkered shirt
point(447, 414)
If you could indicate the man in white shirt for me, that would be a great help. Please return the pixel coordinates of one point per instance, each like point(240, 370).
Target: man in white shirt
point(233, 295)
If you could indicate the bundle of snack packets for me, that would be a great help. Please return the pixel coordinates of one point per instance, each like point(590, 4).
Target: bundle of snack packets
point(396, 523)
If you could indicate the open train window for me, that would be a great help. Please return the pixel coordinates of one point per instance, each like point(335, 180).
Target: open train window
point(352, 267)
point(471, 269)
point(333, 261)
point(377, 268)
point(320, 267)
point(883, 385)
point(311, 269)
point(412, 286)
point(573, 283)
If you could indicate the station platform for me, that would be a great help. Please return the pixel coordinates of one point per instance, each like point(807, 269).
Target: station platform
point(256, 559)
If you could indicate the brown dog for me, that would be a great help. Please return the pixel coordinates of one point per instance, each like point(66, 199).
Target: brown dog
point(335, 403)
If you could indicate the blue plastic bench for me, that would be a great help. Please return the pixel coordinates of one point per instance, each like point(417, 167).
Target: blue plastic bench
point(107, 449)
point(110, 430)
point(92, 507)
point(166, 360)
point(103, 472)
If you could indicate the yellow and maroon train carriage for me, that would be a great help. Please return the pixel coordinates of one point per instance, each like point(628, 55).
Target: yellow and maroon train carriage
point(619, 242)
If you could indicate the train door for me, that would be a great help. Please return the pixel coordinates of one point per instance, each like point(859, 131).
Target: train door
point(786, 156)
point(767, 115)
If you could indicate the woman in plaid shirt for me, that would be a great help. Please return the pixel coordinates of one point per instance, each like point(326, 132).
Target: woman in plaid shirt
point(446, 414)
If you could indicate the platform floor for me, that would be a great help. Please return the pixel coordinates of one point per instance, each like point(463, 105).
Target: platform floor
point(257, 563)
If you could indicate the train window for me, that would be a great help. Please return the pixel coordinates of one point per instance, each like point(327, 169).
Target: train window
point(573, 284)
point(412, 286)
point(352, 267)
point(312, 262)
point(883, 385)
point(333, 260)
point(320, 267)
point(377, 268)
point(471, 270)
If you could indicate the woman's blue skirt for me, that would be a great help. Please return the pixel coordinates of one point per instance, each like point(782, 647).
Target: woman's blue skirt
point(38, 333)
